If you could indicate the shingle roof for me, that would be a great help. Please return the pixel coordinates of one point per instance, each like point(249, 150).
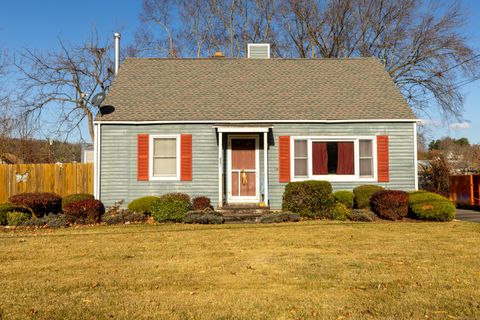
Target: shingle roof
point(215, 90)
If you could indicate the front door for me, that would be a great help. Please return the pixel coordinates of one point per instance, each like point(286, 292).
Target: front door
point(243, 169)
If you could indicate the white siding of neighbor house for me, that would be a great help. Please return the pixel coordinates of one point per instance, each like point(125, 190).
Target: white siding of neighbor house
point(119, 158)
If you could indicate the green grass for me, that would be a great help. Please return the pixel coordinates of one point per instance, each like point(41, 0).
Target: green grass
point(330, 270)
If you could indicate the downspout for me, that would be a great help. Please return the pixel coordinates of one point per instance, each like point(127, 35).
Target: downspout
point(97, 162)
point(415, 156)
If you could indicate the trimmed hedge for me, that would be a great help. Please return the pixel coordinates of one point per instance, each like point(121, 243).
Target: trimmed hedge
point(308, 198)
point(76, 197)
point(123, 216)
point(143, 205)
point(364, 215)
point(15, 218)
point(201, 203)
point(363, 194)
point(51, 221)
point(8, 207)
point(280, 217)
point(41, 203)
point(345, 197)
point(430, 206)
point(339, 212)
point(171, 207)
point(390, 204)
point(204, 217)
point(87, 211)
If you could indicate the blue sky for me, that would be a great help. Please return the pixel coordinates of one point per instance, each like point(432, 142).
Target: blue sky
point(38, 24)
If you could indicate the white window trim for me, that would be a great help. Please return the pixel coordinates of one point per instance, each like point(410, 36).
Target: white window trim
point(334, 178)
point(150, 158)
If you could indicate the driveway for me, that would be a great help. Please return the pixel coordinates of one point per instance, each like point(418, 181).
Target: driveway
point(468, 215)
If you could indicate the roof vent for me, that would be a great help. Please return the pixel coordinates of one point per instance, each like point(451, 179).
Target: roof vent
point(218, 54)
point(258, 51)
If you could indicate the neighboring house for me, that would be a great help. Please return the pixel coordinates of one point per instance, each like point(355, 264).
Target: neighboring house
point(238, 130)
point(87, 155)
point(10, 158)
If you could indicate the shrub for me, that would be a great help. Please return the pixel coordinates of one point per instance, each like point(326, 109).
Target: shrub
point(76, 197)
point(362, 215)
point(430, 206)
point(390, 204)
point(363, 194)
point(201, 203)
point(205, 216)
point(51, 220)
point(308, 198)
point(8, 207)
point(41, 203)
point(434, 177)
point(123, 216)
point(280, 217)
point(84, 211)
point(171, 207)
point(345, 197)
point(143, 205)
point(15, 218)
point(339, 212)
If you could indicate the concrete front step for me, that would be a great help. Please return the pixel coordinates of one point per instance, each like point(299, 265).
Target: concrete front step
point(242, 213)
point(242, 210)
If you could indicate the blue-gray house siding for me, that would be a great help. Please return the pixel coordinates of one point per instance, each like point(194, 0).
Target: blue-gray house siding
point(118, 158)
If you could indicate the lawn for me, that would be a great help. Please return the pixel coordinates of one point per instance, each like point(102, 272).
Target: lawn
point(318, 269)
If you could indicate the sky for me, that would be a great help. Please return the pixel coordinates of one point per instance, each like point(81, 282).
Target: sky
point(39, 24)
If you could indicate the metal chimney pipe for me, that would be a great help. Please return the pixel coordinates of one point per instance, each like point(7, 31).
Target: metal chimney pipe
point(116, 37)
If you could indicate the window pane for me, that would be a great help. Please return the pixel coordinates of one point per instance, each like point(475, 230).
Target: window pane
point(345, 158)
point(320, 158)
point(165, 147)
point(366, 167)
point(164, 167)
point(301, 168)
point(365, 148)
point(300, 148)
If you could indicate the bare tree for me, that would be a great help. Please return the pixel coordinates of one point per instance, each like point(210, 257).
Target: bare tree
point(61, 84)
point(421, 43)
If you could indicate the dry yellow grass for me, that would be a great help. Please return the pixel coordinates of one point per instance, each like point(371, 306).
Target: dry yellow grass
point(318, 270)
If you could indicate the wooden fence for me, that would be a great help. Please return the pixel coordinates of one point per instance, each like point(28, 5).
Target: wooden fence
point(60, 178)
point(465, 189)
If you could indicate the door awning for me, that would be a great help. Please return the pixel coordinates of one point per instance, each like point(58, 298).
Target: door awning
point(240, 128)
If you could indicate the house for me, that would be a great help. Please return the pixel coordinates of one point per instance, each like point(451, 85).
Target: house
point(86, 154)
point(238, 130)
point(10, 158)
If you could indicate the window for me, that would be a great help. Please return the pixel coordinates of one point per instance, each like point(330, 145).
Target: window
point(164, 158)
point(366, 158)
point(301, 158)
point(333, 159)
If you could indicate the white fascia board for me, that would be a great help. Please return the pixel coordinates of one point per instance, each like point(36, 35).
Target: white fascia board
point(240, 129)
point(257, 121)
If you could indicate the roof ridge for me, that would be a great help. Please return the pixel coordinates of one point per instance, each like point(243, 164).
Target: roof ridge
point(249, 59)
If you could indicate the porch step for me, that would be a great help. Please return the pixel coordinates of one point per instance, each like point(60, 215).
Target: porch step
point(242, 209)
point(242, 213)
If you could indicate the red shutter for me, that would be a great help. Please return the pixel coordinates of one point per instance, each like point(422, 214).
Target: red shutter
point(382, 159)
point(186, 157)
point(142, 157)
point(284, 158)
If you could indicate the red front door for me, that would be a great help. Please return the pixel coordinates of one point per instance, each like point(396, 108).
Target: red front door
point(243, 170)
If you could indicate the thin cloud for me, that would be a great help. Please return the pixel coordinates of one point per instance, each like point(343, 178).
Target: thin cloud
point(459, 125)
point(431, 123)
